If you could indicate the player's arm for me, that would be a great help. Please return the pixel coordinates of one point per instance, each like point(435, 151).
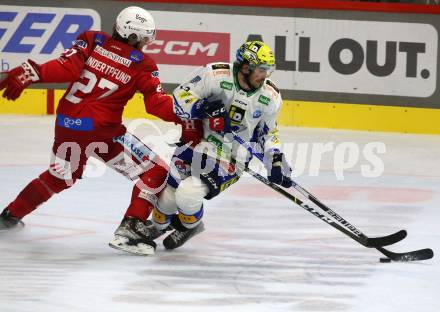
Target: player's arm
point(157, 102)
point(278, 169)
point(192, 97)
point(69, 65)
point(66, 68)
point(269, 136)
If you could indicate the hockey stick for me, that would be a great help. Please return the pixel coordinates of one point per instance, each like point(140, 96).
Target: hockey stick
point(353, 232)
point(417, 255)
point(371, 242)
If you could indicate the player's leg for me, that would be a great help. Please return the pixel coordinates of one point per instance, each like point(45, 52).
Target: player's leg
point(135, 234)
point(66, 167)
point(189, 198)
point(188, 201)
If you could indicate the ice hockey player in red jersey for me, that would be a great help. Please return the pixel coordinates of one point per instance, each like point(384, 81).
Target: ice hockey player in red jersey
point(104, 73)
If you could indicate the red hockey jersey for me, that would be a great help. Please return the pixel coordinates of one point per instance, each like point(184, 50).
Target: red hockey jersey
point(104, 74)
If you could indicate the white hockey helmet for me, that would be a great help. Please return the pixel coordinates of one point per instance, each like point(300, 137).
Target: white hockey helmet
point(135, 20)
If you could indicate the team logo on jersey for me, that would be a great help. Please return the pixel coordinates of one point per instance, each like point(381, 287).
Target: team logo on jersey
point(264, 100)
point(136, 56)
point(257, 114)
point(99, 39)
point(226, 85)
point(236, 115)
point(180, 112)
point(80, 43)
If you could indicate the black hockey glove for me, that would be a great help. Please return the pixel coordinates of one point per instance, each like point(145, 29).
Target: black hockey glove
point(215, 111)
point(278, 170)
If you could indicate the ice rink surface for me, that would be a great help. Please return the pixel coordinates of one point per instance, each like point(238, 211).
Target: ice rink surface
point(260, 252)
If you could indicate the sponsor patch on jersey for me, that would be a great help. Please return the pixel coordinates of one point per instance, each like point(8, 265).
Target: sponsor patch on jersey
point(191, 100)
point(99, 39)
point(77, 124)
point(257, 114)
point(222, 72)
point(226, 85)
point(184, 94)
point(136, 56)
point(217, 123)
point(140, 151)
point(240, 102)
point(115, 47)
point(270, 83)
point(221, 149)
point(155, 74)
point(112, 56)
point(220, 66)
point(80, 43)
point(196, 79)
point(264, 100)
point(236, 115)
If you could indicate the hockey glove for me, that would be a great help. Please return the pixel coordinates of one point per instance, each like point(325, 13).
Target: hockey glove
point(18, 79)
point(212, 109)
point(278, 170)
point(215, 111)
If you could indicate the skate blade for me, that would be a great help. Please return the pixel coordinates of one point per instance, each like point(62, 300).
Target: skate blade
point(18, 227)
point(140, 249)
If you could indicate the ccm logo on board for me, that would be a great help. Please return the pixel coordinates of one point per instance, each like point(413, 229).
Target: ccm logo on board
point(189, 47)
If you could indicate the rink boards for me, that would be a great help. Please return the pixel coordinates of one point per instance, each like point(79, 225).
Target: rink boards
point(345, 65)
point(293, 113)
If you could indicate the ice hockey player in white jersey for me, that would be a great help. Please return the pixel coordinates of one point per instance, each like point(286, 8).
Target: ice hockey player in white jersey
point(236, 98)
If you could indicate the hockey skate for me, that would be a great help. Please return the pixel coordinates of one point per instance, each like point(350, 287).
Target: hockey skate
point(136, 237)
point(181, 234)
point(8, 222)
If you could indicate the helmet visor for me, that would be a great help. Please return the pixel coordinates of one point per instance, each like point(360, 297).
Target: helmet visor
point(148, 36)
point(268, 69)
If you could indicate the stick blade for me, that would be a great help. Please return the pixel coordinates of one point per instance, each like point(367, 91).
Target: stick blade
point(374, 242)
point(417, 255)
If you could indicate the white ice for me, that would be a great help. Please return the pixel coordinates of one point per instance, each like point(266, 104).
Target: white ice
point(260, 252)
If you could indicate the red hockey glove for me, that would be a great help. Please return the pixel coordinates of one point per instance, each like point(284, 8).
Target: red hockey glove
point(192, 131)
point(18, 79)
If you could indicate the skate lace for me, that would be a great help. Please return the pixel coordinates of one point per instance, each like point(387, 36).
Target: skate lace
point(141, 229)
point(177, 235)
point(134, 229)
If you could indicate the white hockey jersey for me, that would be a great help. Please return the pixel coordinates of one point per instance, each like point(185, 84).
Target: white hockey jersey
point(249, 112)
